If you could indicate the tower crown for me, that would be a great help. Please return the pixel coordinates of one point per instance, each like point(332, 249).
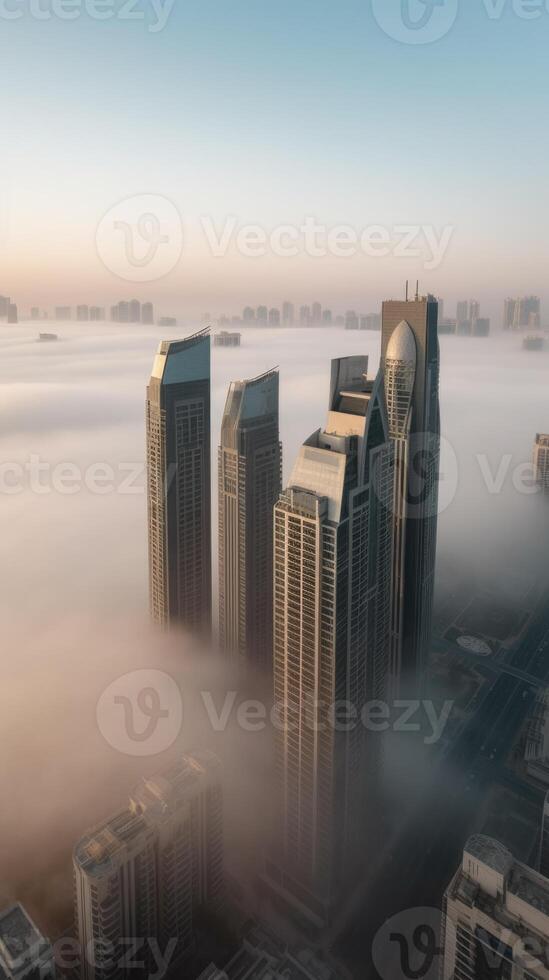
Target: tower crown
point(402, 344)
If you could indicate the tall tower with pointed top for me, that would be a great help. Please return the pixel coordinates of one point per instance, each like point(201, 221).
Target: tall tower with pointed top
point(410, 365)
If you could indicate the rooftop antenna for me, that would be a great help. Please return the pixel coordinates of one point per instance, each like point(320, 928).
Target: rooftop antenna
point(417, 290)
point(406, 290)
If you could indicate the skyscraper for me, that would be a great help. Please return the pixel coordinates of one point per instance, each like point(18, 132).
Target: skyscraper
point(178, 474)
point(410, 364)
point(288, 314)
point(524, 311)
point(331, 629)
point(496, 917)
point(541, 461)
point(316, 313)
point(147, 313)
point(134, 314)
point(142, 874)
point(462, 310)
point(249, 478)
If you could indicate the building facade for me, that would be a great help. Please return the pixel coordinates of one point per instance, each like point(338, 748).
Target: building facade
point(410, 365)
point(143, 873)
point(178, 484)
point(331, 631)
point(249, 482)
point(496, 917)
point(541, 461)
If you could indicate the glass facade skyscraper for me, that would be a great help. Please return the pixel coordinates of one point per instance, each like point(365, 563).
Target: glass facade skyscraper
point(249, 480)
point(178, 484)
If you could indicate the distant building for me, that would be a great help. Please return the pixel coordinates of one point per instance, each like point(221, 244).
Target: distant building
point(97, 313)
point(4, 304)
point(249, 482)
point(227, 339)
point(248, 315)
point(304, 316)
point(288, 314)
point(522, 312)
point(327, 318)
point(123, 311)
point(274, 317)
point(12, 313)
point(134, 311)
point(63, 312)
point(114, 313)
point(440, 302)
point(145, 871)
point(263, 956)
point(340, 320)
point(316, 313)
point(541, 460)
point(47, 337)
point(447, 326)
point(370, 321)
point(35, 313)
point(25, 954)
point(179, 485)
point(351, 320)
point(534, 342)
point(82, 313)
point(167, 321)
point(474, 310)
point(496, 917)
point(462, 310)
point(464, 328)
point(147, 314)
point(481, 327)
point(262, 315)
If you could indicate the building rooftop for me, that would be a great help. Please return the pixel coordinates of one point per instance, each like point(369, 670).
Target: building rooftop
point(21, 943)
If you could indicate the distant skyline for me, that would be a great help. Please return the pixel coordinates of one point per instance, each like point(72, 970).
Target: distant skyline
point(312, 110)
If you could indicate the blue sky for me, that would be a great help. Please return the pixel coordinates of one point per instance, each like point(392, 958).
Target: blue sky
point(271, 112)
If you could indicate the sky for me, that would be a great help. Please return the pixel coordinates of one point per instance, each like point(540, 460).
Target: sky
point(253, 114)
